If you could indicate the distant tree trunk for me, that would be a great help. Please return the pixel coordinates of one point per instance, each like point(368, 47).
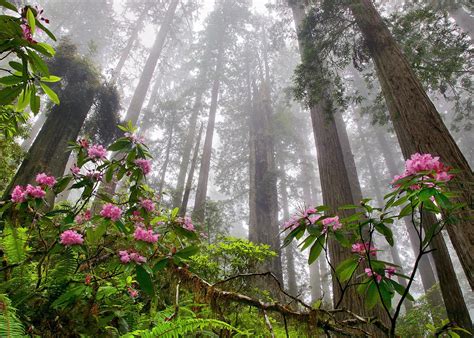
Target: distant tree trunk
point(315, 282)
point(325, 280)
point(201, 190)
point(189, 182)
point(141, 90)
point(417, 123)
point(34, 131)
point(266, 195)
point(463, 20)
point(49, 152)
point(187, 148)
point(167, 156)
point(335, 183)
point(290, 259)
point(128, 47)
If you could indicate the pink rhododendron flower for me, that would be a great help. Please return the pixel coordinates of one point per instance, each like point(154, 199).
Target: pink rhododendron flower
point(95, 175)
point(424, 162)
point(81, 218)
point(71, 237)
point(331, 222)
point(111, 211)
point(27, 33)
point(145, 235)
point(135, 138)
point(39, 14)
point(135, 257)
point(371, 273)
point(46, 180)
point(145, 165)
point(124, 256)
point(83, 143)
point(147, 204)
point(35, 191)
point(75, 170)
point(96, 151)
point(188, 224)
point(390, 271)
point(87, 280)
point(361, 249)
point(313, 219)
point(309, 211)
point(18, 194)
point(132, 292)
point(292, 223)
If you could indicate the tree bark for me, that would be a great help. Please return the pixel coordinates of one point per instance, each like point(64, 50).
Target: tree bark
point(167, 156)
point(34, 131)
point(417, 123)
point(139, 95)
point(189, 182)
point(128, 47)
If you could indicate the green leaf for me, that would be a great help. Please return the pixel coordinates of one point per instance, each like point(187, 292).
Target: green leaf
point(400, 289)
point(46, 30)
point(9, 94)
point(426, 194)
point(16, 66)
point(174, 213)
point(51, 94)
point(407, 210)
point(38, 64)
point(346, 269)
point(308, 241)
point(187, 252)
point(443, 201)
point(50, 78)
point(161, 264)
point(144, 280)
point(49, 50)
point(31, 20)
point(23, 99)
point(11, 80)
point(385, 231)
point(8, 5)
point(120, 144)
point(316, 249)
point(372, 295)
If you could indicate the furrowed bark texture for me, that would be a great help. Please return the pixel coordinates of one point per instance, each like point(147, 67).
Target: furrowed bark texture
point(417, 123)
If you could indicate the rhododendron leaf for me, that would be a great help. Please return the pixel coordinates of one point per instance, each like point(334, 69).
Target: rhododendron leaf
point(308, 241)
point(346, 269)
point(50, 78)
point(407, 210)
point(401, 289)
point(187, 252)
point(144, 280)
point(386, 293)
point(443, 201)
point(120, 144)
point(292, 235)
point(161, 264)
point(31, 20)
point(425, 194)
point(342, 239)
point(11, 80)
point(8, 5)
point(174, 213)
point(385, 231)
point(8, 94)
point(38, 64)
point(371, 295)
point(46, 30)
point(16, 66)
point(94, 235)
point(35, 102)
point(62, 184)
point(23, 99)
point(121, 227)
point(400, 201)
point(51, 94)
point(316, 249)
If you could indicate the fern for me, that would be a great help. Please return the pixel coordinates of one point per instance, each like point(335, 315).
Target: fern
point(14, 241)
point(180, 327)
point(10, 325)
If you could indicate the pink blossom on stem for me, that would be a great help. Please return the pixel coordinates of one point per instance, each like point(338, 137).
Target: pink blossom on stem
point(111, 211)
point(97, 151)
point(145, 235)
point(371, 273)
point(132, 292)
point(71, 237)
point(18, 194)
point(188, 224)
point(27, 33)
point(35, 191)
point(127, 257)
point(134, 138)
point(390, 271)
point(331, 222)
point(83, 143)
point(362, 249)
point(145, 165)
point(147, 204)
point(75, 170)
point(45, 180)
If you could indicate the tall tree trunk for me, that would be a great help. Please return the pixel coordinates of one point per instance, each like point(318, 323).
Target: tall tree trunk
point(187, 148)
point(139, 95)
point(167, 157)
point(201, 191)
point(335, 183)
point(325, 280)
point(49, 152)
point(266, 195)
point(290, 259)
point(417, 123)
point(34, 131)
point(128, 47)
point(189, 182)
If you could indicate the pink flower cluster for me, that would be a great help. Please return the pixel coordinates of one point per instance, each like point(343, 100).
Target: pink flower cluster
point(27, 33)
point(95, 175)
point(362, 249)
point(147, 204)
point(20, 194)
point(135, 138)
point(71, 237)
point(127, 257)
point(96, 151)
point(424, 162)
point(45, 180)
point(308, 217)
point(188, 224)
point(142, 234)
point(132, 292)
point(75, 170)
point(111, 211)
point(389, 272)
point(145, 165)
point(84, 217)
point(331, 222)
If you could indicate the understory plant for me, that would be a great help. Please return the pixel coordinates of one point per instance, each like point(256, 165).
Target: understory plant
point(421, 189)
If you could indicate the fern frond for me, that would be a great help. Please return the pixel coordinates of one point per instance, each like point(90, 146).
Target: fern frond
point(180, 327)
point(13, 243)
point(10, 325)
